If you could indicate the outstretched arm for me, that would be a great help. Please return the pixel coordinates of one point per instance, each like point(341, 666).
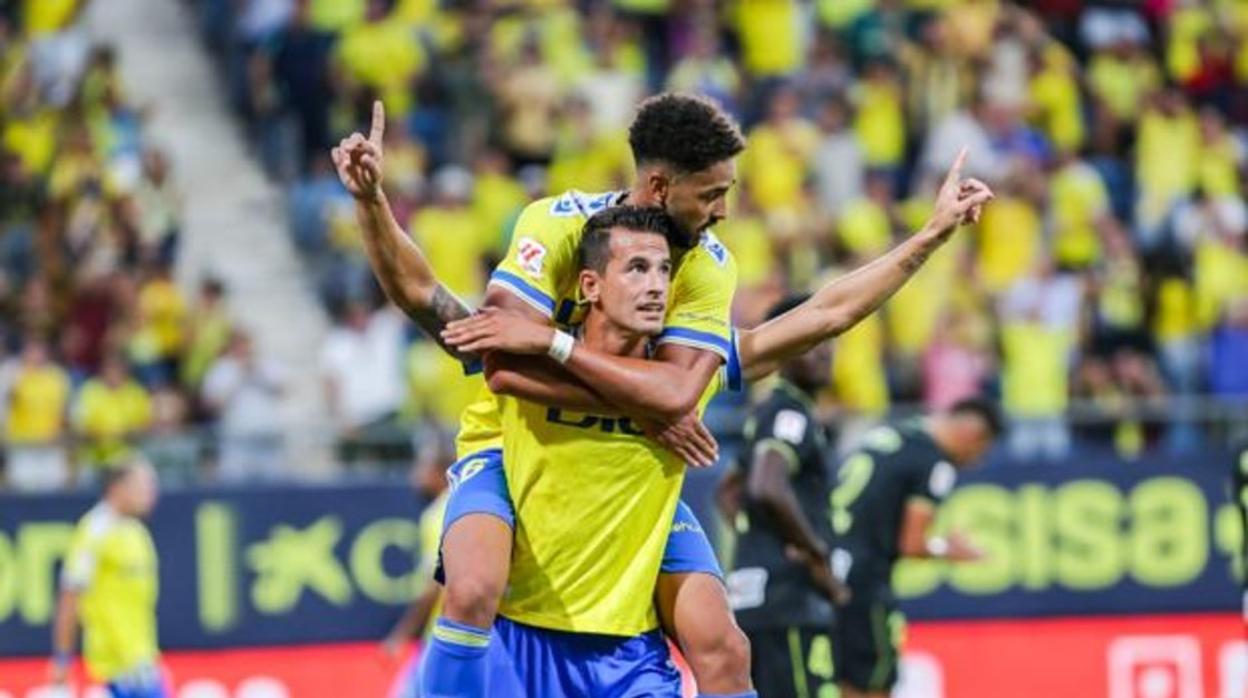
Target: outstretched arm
point(841, 304)
point(397, 262)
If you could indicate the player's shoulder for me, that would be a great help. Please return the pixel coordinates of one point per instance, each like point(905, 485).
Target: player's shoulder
point(96, 524)
point(711, 253)
point(780, 415)
point(574, 204)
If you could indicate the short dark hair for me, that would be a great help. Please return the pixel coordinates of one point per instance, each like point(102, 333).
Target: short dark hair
point(689, 132)
point(115, 475)
point(786, 304)
point(595, 247)
point(983, 408)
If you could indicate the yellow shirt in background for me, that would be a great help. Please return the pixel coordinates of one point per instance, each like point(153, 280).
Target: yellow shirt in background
point(916, 308)
point(1221, 276)
point(112, 564)
point(880, 124)
point(1009, 239)
point(37, 405)
point(336, 15)
point(1218, 171)
point(497, 199)
point(747, 238)
point(1175, 317)
point(776, 162)
point(1167, 151)
point(1123, 84)
point(107, 416)
point(46, 16)
point(858, 368)
point(864, 227)
point(437, 383)
point(1059, 110)
point(1186, 27)
point(1078, 199)
point(164, 309)
point(454, 242)
point(771, 36)
point(33, 138)
point(605, 163)
point(385, 56)
point(1034, 372)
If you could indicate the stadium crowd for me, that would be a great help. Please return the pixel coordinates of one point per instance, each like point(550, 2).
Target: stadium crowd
point(101, 352)
point(1110, 275)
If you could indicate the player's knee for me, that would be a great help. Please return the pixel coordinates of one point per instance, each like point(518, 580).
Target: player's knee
point(472, 599)
point(723, 656)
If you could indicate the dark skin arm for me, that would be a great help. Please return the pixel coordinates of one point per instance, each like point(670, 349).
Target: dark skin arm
point(728, 495)
point(912, 539)
point(769, 485)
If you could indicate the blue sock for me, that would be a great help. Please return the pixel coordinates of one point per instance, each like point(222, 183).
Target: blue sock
point(456, 666)
point(747, 694)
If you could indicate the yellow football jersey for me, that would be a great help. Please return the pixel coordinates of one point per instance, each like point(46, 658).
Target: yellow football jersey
point(112, 564)
point(594, 503)
point(541, 269)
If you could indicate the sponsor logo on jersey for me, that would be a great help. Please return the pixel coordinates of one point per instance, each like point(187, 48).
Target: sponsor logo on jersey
point(531, 256)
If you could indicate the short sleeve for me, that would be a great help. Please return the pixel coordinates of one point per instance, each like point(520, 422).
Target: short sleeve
point(82, 559)
point(701, 306)
point(542, 252)
point(785, 429)
point(935, 481)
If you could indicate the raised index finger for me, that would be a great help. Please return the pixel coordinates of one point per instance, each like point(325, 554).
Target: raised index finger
point(955, 172)
point(379, 123)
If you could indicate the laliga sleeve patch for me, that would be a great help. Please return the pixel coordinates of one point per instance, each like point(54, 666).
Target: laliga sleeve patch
point(531, 256)
point(790, 426)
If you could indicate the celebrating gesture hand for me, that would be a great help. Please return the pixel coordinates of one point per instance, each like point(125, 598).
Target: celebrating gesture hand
point(958, 201)
point(359, 159)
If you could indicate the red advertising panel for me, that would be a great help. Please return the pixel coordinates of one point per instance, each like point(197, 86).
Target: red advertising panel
point(1177, 656)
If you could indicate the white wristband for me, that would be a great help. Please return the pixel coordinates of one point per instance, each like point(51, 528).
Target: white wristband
point(938, 546)
point(561, 347)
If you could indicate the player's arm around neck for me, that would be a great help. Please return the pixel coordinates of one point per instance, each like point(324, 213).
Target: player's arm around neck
point(523, 374)
point(666, 388)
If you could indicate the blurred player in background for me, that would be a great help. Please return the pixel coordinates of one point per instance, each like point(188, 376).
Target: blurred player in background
point(435, 452)
point(110, 584)
point(781, 586)
point(883, 505)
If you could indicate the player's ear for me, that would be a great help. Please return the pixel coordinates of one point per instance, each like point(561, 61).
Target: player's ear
point(591, 287)
point(658, 184)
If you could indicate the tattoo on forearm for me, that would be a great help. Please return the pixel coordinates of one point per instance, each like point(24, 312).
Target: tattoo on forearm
point(444, 309)
point(911, 263)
